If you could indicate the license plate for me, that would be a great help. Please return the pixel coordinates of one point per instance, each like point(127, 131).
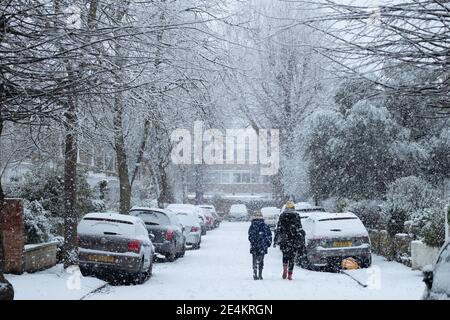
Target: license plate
point(105, 259)
point(342, 244)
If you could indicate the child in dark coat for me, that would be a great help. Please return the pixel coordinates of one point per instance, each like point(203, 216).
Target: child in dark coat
point(260, 238)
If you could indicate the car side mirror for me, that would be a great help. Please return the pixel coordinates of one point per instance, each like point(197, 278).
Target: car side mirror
point(152, 236)
point(428, 277)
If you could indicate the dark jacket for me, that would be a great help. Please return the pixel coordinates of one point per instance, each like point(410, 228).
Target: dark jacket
point(289, 233)
point(260, 237)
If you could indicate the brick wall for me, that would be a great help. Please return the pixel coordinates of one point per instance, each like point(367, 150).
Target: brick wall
point(13, 235)
point(39, 256)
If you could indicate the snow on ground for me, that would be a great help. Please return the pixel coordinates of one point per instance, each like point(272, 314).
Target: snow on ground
point(221, 269)
point(52, 284)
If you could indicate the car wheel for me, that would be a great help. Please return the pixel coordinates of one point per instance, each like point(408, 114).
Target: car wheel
point(85, 272)
point(366, 262)
point(182, 252)
point(170, 257)
point(140, 275)
point(149, 271)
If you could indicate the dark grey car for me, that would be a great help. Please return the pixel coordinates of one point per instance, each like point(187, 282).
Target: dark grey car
point(115, 244)
point(169, 239)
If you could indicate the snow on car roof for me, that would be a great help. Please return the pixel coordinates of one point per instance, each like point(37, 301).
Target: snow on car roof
point(112, 216)
point(270, 210)
point(323, 216)
point(302, 205)
point(148, 209)
point(329, 224)
point(184, 207)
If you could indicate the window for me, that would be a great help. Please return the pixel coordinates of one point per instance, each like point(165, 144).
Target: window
point(212, 177)
point(236, 177)
point(254, 178)
point(266, 179)
point(225, 178)
point(245, 177)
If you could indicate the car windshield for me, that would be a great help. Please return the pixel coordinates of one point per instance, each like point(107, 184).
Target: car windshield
point(152, 217)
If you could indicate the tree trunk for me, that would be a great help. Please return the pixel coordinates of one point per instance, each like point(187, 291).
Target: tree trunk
point(70, 188)
point(122, 164)
point(6, 289)
point(166, 195)
point(142, 147)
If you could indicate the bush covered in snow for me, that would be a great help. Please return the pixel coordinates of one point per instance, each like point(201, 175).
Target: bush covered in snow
point(38, 226)
point(46, 185)
point(414, 206)
point(369, 211)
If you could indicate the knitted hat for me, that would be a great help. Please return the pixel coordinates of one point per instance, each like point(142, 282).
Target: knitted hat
point(257, 215)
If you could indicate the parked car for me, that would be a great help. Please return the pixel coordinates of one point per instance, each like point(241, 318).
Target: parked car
point(210, 209)
point(238, 212)
point(115, 243)
point(332, 237)
point(210, 217)
point(303, 205)
point(192, 229)
point(271, 215)
point(188, 216)
point(202, 219)
point(437, 278)
point(169, 239)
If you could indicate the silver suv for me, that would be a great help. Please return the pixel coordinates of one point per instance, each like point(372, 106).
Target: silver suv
point(437, 278)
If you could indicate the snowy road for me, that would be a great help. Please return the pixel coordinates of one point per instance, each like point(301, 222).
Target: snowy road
point(221, 269)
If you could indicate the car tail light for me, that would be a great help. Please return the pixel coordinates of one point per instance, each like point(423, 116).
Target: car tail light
point(194, 229)
point(364, 239)
point(169, 235)
point(134, 246)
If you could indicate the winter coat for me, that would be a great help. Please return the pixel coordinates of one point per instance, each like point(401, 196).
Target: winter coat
point(289, 233)
point(260, 237)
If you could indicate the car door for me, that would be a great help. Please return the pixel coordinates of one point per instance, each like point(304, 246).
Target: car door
point(441, 276)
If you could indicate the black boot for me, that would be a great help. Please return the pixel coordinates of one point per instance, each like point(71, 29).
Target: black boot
point(260, 274)
point(255, 276)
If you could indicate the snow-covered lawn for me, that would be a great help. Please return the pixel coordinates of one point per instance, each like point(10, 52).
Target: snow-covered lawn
point(221, 269)
point(53, 284)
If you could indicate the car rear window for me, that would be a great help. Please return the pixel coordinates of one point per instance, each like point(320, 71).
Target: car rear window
point(336, 219)
point(316, 209)
point(154, 218)
point(91, 225)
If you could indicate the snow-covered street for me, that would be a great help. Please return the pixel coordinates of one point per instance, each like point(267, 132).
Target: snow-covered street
point(221, 269)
